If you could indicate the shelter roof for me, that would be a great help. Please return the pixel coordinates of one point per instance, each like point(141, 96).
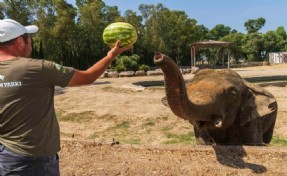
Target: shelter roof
point(210, 43)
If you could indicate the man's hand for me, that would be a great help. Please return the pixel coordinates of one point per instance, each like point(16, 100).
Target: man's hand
point(116, 50)
point(90, 75)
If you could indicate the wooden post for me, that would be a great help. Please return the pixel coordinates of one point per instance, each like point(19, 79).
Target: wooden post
point(191, 55)
point(228, 57)
point(194, 56)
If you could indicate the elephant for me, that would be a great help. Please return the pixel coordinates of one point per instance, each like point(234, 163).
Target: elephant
point(223, 108)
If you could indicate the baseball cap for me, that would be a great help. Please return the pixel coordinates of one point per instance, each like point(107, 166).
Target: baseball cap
point(11, 29)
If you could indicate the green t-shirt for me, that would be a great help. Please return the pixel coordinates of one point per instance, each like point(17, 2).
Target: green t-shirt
point(28, 123)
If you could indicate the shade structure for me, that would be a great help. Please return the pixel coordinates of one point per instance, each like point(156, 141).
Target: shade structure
point(195, 47)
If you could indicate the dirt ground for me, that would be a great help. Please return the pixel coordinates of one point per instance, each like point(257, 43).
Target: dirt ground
point(116, 128)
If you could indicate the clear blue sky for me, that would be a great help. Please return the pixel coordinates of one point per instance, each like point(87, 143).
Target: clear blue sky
point(232, 13)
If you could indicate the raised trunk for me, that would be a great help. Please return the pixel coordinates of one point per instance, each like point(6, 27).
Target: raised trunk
point(175, 87)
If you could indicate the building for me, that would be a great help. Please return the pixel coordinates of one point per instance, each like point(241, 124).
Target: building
point(278, 58)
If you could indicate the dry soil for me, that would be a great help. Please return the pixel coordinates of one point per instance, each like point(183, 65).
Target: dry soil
point(113, 127)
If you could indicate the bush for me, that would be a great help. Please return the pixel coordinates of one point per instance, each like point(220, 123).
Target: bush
point(127, 63)
point(120, 68)
point(144, 67)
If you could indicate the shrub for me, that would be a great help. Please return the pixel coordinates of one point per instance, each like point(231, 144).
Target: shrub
point(144, 67)
point(127, 63)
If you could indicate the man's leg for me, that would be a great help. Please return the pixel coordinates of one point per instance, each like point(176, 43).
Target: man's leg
point(15, 164)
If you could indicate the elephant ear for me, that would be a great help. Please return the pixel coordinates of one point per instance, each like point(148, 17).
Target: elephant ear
point(257, 103)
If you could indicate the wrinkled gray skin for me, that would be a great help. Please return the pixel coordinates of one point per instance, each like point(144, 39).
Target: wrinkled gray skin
point(223, 108)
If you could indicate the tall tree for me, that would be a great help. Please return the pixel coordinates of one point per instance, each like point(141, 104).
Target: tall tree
point(167, 31)
point(64, 32)
point(46, 18)
point(136, 20)
point(19, 11)
point(253, 47)
point(272, 43)
point(236, 47)
point(93, 17)
point(281, 31)
point(2, 10)
point(219, 31)
point(254, 25)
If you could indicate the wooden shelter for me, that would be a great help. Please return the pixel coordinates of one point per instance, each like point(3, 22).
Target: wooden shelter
point(195, 47)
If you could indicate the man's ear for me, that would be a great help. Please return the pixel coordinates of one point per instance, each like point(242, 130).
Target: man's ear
point(20, 42)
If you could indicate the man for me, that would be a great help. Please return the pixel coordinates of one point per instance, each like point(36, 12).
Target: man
point(29, 131)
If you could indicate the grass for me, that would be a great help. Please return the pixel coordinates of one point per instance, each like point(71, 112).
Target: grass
point(63, 134)
point(94, 136)
point(149, 124)
point(122, 125)
point(76, 117)
point(165, 118)
point(122, 129)
point(130, 141)
point(84, 116)
point(107, 117)
point(279, 141)
point(122, 133)
point(188, 138)
point(167, 128)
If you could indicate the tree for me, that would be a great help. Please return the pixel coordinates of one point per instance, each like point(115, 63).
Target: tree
point(218, 32)
point(199, 32)
point(136, 20)
point(63, 32)
point(2, 10)
point(254, 25)
point(91, 23)
point(169, 32)
point(281, 31)
point(272, 43)
point(236, 47)
point(253, 47)
point(111, 14)
point(19, 11)
point(73, 35)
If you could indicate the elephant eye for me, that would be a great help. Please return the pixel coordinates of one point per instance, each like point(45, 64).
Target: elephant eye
point(232, 94)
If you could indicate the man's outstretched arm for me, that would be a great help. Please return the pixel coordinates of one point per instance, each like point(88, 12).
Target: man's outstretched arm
point(94, 72)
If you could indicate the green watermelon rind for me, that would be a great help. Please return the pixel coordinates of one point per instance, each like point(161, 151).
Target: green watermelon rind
point(122, 31)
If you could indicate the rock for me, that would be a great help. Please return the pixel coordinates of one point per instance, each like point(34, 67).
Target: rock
point(185, 70)
point(194, 70)
point(105, 75)
point(127, 74)
point(140, 73)
point(113, 74)
point(154, 72)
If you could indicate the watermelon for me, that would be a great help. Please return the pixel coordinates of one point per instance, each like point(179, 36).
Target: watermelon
point(122, 31)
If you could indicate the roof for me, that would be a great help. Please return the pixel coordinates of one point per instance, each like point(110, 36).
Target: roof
point(210, 43)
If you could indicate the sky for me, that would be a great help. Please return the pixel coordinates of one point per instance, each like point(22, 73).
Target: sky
point(232, 13)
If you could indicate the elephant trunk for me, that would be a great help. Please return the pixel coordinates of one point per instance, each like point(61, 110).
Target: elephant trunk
point(175, 87)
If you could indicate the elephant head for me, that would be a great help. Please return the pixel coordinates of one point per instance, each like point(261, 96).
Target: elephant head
point(216, 101)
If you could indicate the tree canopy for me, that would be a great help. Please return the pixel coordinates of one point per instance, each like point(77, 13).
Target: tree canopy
point(73, 35)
